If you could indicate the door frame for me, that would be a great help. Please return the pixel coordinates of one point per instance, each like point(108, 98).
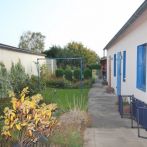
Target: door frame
point(118, 82)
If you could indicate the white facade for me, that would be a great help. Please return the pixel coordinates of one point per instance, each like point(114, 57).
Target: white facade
point(134, 35)
point(9, 55)
point(27, 60)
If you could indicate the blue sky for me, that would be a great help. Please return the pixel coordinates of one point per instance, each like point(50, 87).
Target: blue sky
point(92, 22)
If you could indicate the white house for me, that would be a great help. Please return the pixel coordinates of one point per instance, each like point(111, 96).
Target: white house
point(127, 56)
point(9, 54)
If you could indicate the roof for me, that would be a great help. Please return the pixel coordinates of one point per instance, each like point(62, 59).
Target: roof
point(11, 48)
point(132, 19)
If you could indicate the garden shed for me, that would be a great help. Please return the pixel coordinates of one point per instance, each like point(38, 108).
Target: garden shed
point(10, 54)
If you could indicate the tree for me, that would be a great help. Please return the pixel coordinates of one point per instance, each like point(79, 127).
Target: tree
point(76, 49)
point(73, 49)
point(54, 52)
point(33, 41)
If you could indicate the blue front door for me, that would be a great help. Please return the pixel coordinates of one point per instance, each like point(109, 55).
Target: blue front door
point(118, 73)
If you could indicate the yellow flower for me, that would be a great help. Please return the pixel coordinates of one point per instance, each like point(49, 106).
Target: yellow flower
point(6, 109)
point(6, 121)
point(22, 98)
point(23, 124)
point(11, 94)
point(6, 133)
point(18, 127)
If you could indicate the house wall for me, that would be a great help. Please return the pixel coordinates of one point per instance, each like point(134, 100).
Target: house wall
point(135, 35)
point(27, 60)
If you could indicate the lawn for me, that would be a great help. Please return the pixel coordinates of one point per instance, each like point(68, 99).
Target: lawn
point(67, 98)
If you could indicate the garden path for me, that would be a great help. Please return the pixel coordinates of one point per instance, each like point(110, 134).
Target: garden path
point(107, 128)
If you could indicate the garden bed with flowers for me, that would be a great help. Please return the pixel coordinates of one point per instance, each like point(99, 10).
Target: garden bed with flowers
point(38, 115)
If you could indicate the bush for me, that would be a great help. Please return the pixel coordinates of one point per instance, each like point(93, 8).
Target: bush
point(5, 84)
point(35, 86)
point(77, 74)
point(87, 73)
point(56, 83)
point(20, 122)
point(18, 78)
point(69, 132)
point(59, 73)
point(68, 74)
point(94, 66)
point(4, 102)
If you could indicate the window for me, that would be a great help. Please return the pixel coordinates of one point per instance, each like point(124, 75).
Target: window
point(124, 65)
point(114, 65)
point(141, 67)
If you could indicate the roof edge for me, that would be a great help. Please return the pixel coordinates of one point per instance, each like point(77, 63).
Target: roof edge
point(12, 48)
point(130, 21)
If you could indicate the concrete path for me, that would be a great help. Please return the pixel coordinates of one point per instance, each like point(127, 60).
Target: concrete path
point(107, 128)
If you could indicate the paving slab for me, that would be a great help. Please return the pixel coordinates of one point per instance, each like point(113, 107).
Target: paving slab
point(108, 129)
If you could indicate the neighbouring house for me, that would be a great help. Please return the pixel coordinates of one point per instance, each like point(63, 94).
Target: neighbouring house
point(103, 63)
point(127, 56)
point(9, 54)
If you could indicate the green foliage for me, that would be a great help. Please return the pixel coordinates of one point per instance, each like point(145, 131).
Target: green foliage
point(73, 49)
point(76, 49)
point(87, 73)
point(68, 74)
point(56, 83)
point(18, 78)
point(94, 66)
point(77, 73)
point(54, 51)
point(59, 73)
point(4, 102)
point(5, 84)
point(33, 41)
point(34, 86)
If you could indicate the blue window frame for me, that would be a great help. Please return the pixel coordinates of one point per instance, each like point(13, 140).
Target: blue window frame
point(114, 72)
point(141, 67)
point(124, 66)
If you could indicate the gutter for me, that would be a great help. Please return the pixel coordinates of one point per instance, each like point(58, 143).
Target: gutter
point(11, 48)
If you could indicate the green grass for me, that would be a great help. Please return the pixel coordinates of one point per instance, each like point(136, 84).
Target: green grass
point(67, 98)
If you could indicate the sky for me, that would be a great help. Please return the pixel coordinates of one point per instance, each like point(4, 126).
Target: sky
point(91, 22)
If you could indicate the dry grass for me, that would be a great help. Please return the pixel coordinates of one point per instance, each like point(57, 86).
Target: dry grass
point(69, 133)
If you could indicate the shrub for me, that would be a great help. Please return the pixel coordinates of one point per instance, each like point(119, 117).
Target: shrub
point(94, 66)
point(87, 73)
point(59, 73)
point(68, 74)
point(77, 74)
point(69, 133)
point(18, 78)
point(5, 84)
point(56, 83)
point(28, 119)
point(4, 102)
point(34, 85)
